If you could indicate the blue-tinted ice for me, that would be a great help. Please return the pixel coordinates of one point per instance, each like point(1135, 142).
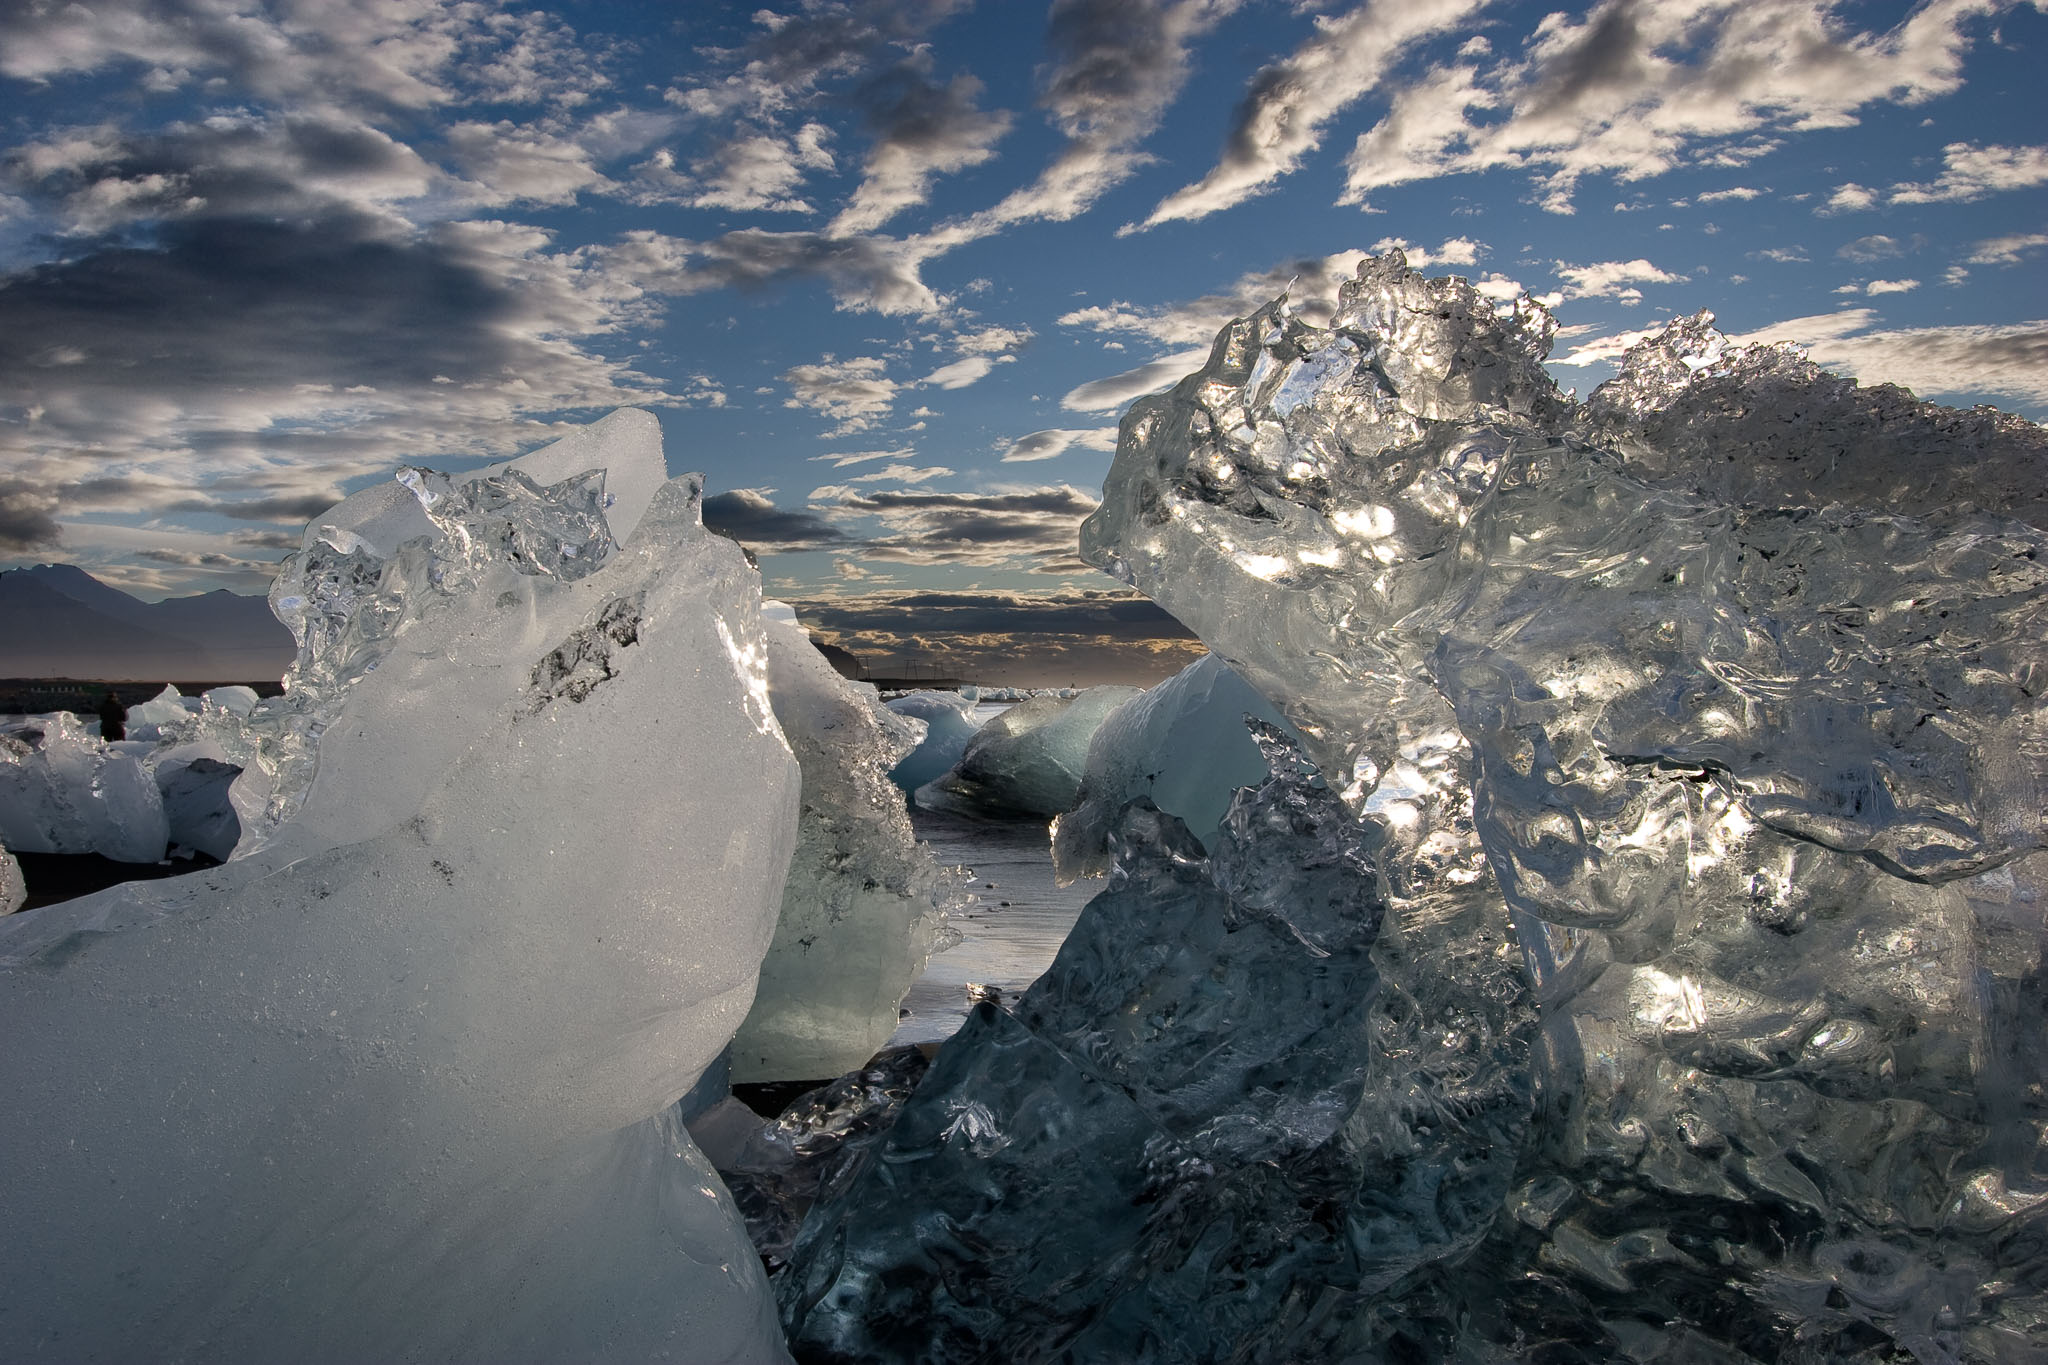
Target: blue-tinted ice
point(1719, 699)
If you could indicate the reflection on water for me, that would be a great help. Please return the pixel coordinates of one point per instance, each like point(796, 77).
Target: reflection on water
point(1008, 936)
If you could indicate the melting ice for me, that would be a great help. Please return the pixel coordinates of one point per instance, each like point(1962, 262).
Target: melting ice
point(1679, 866)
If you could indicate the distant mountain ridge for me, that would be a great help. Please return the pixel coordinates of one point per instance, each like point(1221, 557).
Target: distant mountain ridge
point(58, 621)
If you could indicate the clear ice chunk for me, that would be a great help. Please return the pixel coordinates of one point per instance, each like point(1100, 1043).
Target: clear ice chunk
point(1719, 699)
point(865, 906)
point(400, 1083)
point(1182, 746)
point(949, 722)
point(1028, 760)
point(1201, 1131)
point(68, 792)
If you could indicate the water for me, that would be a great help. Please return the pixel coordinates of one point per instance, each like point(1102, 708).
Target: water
point(1008, 936)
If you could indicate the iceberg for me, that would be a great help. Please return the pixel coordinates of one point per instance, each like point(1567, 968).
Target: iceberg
point(67, 792)
point(1028, 760)
point(949, 722)
point(199, 810)
point(399, 1080)
point(1182, 746)
point(1694, 736)
point(865, 906)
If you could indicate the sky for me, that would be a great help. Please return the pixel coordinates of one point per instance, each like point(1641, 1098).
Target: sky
point(888, 271)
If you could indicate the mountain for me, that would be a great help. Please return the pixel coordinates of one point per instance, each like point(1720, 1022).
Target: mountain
point(58, 621)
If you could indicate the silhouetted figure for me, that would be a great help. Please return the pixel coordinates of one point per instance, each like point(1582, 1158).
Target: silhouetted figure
point(113, 718)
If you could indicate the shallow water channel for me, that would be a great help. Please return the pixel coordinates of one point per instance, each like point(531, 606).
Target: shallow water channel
point(1009, 934)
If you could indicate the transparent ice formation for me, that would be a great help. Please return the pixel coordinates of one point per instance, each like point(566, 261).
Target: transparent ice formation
point(1182, 746)
point(949, 722)
point(1028, 760)
point(198, 810)
point(815, 1146)
point(865, 906)
point(1198, 1134)
point(67, 792)
point(400, 1083)
point(1719, 698)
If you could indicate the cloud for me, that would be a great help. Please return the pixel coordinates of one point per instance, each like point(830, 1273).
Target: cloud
point(1105, 395)
point(841, 460)
point(515, 163)
point(1116, 66)
point(327, 348)
point(1612, 279)
point(397, 54)
point(1280, 120)
point(1037, 526)
point(752, 518)
point(1971, 172)
point(961, 373)
point(1633, 89)
point(1311, 282)
point(1849, 198)
point(1082, 637)
point(88, 181)
point(2009, 250)
point(1891, 286)
point(1454, 251)
point(2004, 362)
point(865, 274)
point(1054, 441)
point(1865, 250)
point(1736, 192)
point(992, 339)
point(852, 392)
point(792, 55)
point(28, 517)
point(922, 130)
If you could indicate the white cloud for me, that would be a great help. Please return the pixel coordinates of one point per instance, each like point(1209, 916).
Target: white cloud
point(1634, 90)
point(1454, 251)
point(2009, 250)
point(1055, 441)
point(1891, 286)
point(1865, 250)
point(1849, 198)
point(841, 459)
point(991, 340)
point(1104, 395)
point(853, 392)
point(1970, 172)
point(513, 163)
point(1738, 192)
point(1611, 279)
point(1281, 117)
point(925, 131)
point(903, 473)
point(961, 373)
point(2000, 361)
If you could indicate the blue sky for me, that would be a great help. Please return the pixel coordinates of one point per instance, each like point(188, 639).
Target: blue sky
point(888, 271)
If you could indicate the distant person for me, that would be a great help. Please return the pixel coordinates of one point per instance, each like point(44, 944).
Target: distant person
point(113, 718)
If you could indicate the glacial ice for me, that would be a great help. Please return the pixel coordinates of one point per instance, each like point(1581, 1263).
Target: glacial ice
point(399, 1080)
point(66, 792)
point(1694, 738)
point(949, 722)
point(865, 906)
point(1028, 760)
point(199, 811)
point(13, 890)
point(1182, 745)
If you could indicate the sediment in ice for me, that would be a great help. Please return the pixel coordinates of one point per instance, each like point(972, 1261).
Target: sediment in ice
point(1028, 760)
point(398, 1081)
point(1182, 746)
point(864, 906)
point(1719, 695)
point(949, 722)
point(13, 890)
